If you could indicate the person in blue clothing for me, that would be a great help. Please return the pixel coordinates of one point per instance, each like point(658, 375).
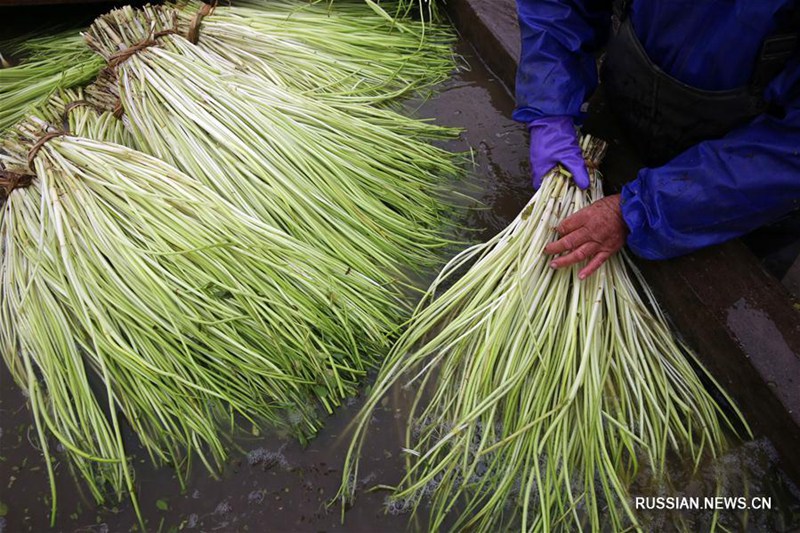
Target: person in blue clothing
point(708, 89)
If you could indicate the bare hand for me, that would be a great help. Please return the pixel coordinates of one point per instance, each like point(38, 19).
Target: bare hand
point(593, 234)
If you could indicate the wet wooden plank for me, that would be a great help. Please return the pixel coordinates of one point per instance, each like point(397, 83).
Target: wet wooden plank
point(491, 27)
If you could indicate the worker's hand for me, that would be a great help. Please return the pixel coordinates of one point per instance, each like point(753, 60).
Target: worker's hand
point(553, 141)
point(593, 234)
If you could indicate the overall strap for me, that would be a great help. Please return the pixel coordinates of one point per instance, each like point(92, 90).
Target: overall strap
point(776, 50)
point(620, 9)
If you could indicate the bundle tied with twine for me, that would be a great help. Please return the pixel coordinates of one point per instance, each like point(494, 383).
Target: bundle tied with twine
point(338, 53)
point(394, 11)
point(130, 290)
point(46, 63)
point(361, 183)
point(540, 397)
point(71, 112)
point(350, 51)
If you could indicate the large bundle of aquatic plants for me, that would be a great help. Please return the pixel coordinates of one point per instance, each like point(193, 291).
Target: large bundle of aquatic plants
point(540, 396)
point(344, 51)
point(39, 65)
point(129, 289)
point(352, 51)
point(252, 271)
point(361, 183)
point(391, 10)
point(72, 112)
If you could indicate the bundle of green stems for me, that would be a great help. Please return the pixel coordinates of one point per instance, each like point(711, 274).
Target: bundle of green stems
point(540, 397)
point(74, 113)
point(351, 51)
point(122, 275)
point(250, 263)
point(362, 183)
point(395, 11)
point(46, 63)
point(341, 52)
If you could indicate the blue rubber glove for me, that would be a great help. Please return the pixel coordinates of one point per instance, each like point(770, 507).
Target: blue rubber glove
point(554, 141)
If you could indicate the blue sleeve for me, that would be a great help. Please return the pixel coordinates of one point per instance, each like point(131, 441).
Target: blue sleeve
point(557, 70)
point(720, 189)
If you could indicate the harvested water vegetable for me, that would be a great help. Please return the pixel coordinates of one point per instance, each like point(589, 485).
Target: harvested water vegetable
point(132, 293)
point(47, 63)
point(540, 396)
point(82, 118)
point(393, 11)
point(348, 51)
point(129, 289)
point(361, 183)
point(339, 52)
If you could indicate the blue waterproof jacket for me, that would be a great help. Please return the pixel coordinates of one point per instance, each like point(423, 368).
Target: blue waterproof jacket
point(716, 190)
